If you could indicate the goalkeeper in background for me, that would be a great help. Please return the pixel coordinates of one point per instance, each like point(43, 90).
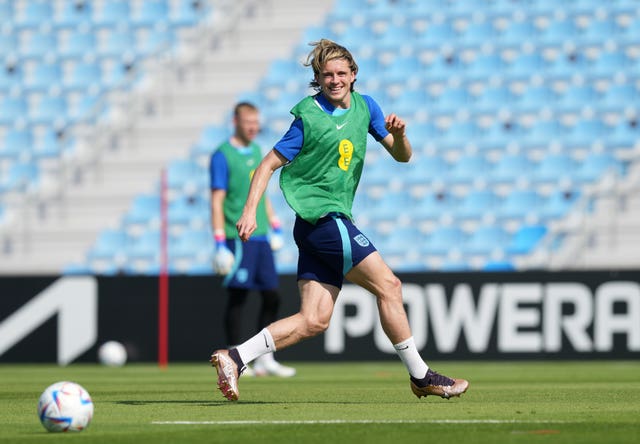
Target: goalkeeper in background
point(249, 265)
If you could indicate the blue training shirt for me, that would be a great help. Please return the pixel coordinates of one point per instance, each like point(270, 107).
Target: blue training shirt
point(291, 143)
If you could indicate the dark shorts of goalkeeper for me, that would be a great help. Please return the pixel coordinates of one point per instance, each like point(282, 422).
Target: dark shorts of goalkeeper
point(330, 248)
point(254, 266)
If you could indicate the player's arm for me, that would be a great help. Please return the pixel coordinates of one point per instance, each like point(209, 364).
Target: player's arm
point(247, 224)
point(396, 142)
point(217, 211)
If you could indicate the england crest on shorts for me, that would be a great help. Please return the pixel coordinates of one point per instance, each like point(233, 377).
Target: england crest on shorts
point(361, 240)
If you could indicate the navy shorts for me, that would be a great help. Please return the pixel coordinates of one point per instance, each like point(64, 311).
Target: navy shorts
point(330, 248)
point(254, 267)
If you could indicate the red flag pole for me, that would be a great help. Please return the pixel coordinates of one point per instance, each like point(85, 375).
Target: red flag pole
point(163, 279)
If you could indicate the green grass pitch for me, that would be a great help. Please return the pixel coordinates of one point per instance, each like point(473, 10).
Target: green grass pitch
point(508, 402)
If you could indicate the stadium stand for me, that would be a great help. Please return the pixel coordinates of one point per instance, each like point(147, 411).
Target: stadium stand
point(523, 115)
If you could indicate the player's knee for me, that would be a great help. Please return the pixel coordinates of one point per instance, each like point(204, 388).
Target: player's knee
point(315, 326)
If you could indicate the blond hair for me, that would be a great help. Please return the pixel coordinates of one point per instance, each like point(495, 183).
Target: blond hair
point(323, 51)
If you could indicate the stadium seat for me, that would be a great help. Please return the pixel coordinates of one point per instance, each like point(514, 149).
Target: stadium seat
point(77, 43)
point(553, 168)
point(111, 244)
point(17, 144)
point(485, 240)
point(145, 211)
point(443, 239)
point(519, 205)
point(150, 13)
point(525, 240)
point(73, 14)
point(34, 14)
point(112, 14)
point(558, 204)
point(38, 45)
point(22, 177)
point(477, 205)
point(11, 108)
point(42, 77)
point(510, 168)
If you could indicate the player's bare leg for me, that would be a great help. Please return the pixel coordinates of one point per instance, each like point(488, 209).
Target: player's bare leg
point(374, 275)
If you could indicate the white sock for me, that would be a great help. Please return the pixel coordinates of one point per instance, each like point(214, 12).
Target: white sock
point(266, 359)
point(411, 358)
point(258, 345)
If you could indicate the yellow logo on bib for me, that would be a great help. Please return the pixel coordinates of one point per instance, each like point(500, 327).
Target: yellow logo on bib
point(346, 153)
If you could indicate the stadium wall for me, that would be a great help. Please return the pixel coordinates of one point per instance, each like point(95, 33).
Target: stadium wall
point(469, 316)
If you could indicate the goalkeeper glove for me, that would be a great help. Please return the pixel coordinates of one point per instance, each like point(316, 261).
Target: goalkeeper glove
point(223, 260)
point(276, 240)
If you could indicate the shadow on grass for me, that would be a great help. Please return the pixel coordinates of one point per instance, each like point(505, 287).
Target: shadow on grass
point(209, 403)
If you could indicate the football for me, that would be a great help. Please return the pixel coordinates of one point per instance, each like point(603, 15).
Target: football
point(112, 354)
point(65, 407)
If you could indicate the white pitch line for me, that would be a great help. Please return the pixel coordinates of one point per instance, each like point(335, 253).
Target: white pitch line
point(365, 421)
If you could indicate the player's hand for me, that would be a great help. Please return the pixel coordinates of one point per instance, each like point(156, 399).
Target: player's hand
point(223, 260)
point(246, 225)
point(395, 125)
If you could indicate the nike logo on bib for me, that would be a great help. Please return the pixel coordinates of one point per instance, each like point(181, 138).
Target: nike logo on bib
point(339, 127)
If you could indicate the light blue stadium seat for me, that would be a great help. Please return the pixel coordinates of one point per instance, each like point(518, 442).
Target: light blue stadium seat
point(476, 34)
point(145, 247)
point(434, 206)
point(484, 66)
point(84, 75)
point(21, 177)
point(468, 169)
point(72, 14)
point(150, 13)
point(38, 45)
point(443, 239)
point(425, 169)
point(11, 75)
point(436, 35)
point(525, 65)
point(185, 175)
point(566, 66)
point(144, 210)
point(34, 14)
point(525, 239)
point(17, 144)
point(477, 205)
point(542, 134)
point(491, 100)
point(608, 65)
point(457, 136)
point(553, 168)
point(499, 136)
point(110, 244)
point(625, 135)
point(189, 212)
point(615, 98)
point(442, 68)
point(191, 244)
point(49, 144)
point(11, 108)
point(520, 205)
point(516, 33)
point(87, 108)
point(186, 13)
point(50, 110)
point(113, 13)
point(558, 32)
point(535, 98)
point(510, 168)
point(77, 43)
point(154, 41)
point(585, 133)
point(595, 166)
point(43, 77)
point(118, 42)
point(558, 204)
point(486, 240)
point(498, 266)
point(576, 98)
